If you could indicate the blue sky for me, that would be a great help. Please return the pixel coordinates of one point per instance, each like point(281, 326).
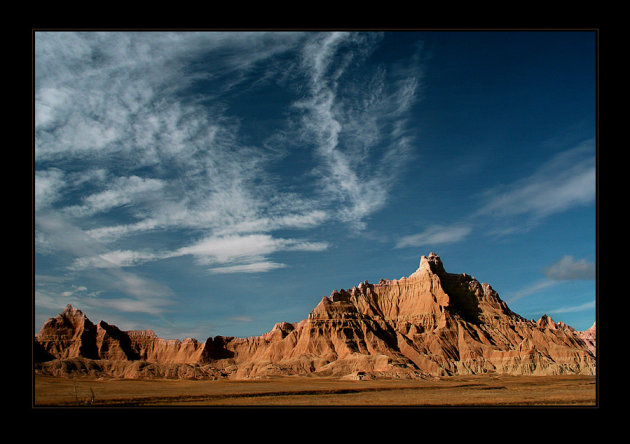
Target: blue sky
point(215, 183)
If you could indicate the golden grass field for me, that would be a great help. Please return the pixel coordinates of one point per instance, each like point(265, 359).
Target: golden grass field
point(479, 390)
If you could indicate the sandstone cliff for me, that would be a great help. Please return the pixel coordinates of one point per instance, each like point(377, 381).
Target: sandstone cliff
point(432, 323)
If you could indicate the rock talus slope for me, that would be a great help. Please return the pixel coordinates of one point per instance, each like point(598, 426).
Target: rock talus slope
point(429, 324)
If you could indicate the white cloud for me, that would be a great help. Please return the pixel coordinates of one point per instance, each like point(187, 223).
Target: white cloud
point(581, 307)
point(138, 287)
point(96, 92)
point(114, 259)
point(264, 224)
point(565, 181)
point(245, 248)
point(247, 251)
point(435, 235)
point(55, 233)
point(230, 248)
point(118, 126)
point(48, 185)
point(106, 100)
point(347, 126)
point(114, 232)
point(256, 267)
point(121, 191)
point(67, 241)
point(530, 289)
point(568, 268)
point(152, 307)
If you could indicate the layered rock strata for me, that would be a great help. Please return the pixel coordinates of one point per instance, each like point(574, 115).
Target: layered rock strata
point(429, 324)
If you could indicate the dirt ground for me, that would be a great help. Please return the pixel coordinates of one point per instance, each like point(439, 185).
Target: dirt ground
point(481, 390)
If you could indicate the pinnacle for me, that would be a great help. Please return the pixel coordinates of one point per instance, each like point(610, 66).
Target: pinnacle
point(431, 262)
point(432, 257)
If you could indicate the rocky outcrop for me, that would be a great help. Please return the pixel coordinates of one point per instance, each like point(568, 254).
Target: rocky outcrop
point(114, 344)
point(429, 324)
point(69, 334)
point(589, 337)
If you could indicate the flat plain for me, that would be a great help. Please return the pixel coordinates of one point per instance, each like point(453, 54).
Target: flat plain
point(477, 390)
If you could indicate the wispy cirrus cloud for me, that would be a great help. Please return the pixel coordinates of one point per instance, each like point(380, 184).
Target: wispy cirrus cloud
point(247, 248)
point(530, 290)
point(134, 137)
point(357, 128)
point(565, 181)
point(121, 191)
point(115, 259)
point(574, 308)
point(132, 121)
point(255, 267)
point(50, 182)
point(114, 100)
point(120, 151)
point(435, 235)
point(71, 245)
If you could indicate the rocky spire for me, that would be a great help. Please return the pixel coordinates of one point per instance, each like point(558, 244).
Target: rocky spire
point(431, 264)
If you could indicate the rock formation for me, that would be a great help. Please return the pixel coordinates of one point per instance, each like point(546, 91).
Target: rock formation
point(589, 337)
point(69, 334)
point(429, 324)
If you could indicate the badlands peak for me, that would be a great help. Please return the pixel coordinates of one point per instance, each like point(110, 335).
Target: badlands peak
point(431, 262)
point(72, 313)
point(430, 265)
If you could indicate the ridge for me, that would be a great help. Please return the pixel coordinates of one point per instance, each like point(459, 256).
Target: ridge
point(430, 324)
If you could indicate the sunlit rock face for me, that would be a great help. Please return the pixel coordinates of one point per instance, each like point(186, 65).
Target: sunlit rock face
point(431, 323)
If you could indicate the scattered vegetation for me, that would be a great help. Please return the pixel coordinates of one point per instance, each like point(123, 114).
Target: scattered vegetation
point(87, 401)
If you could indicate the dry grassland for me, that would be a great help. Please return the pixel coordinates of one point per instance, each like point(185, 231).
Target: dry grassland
point(316, 391)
